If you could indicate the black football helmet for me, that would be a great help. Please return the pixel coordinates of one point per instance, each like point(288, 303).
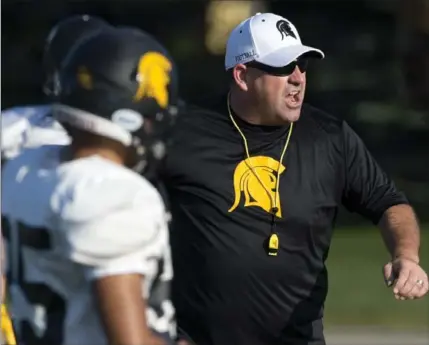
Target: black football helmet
point(165, 117)
point(121, 85)
point(61, 40)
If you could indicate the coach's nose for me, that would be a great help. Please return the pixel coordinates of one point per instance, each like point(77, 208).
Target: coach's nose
point(297, 77)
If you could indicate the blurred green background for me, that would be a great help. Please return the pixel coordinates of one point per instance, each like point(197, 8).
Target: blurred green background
point(375, 75)
point(357, 293)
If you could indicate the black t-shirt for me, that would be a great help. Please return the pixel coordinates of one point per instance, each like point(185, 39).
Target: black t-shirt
point(227, 290)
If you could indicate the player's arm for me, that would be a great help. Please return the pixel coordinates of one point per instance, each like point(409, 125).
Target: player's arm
point(112, 249)
point(123, 310)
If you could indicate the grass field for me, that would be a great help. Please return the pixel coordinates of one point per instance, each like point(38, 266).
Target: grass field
point(357, 294)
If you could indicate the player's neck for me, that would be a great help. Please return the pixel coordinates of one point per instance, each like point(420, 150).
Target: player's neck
point(83, 152)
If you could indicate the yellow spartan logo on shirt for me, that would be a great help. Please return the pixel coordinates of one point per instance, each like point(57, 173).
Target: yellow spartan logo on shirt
point(153, 78)
point(245, 182)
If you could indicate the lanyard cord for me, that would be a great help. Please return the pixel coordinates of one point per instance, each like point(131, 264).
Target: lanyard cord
point(273, 242)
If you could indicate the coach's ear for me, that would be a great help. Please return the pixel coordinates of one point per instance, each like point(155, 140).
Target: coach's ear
point(239, 76)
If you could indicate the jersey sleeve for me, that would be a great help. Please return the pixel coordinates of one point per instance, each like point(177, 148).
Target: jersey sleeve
point(112, 227)
point(368, 189)
point(14, 128)
point(29, 127)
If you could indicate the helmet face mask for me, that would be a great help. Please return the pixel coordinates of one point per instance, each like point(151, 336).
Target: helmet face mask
point(51, 86)
point(123, 79)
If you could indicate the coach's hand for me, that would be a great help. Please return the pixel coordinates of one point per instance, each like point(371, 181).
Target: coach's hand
point(408, 279)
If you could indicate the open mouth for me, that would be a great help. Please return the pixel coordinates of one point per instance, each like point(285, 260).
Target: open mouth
point(293, 98)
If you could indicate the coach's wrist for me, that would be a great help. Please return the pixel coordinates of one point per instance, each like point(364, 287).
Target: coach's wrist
point(407, 256)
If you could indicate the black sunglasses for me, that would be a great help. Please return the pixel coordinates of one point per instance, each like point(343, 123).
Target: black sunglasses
point(281, 71)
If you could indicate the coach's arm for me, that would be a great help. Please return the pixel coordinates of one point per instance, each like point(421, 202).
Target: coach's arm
point(369, 191)
point(401, 234)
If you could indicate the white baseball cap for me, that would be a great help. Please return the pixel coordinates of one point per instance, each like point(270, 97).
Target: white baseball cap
point(266, 38)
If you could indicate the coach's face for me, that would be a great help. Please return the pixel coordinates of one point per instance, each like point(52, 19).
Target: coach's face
point(278, 93)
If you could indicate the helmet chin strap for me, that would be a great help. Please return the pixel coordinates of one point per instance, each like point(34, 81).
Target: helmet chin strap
point(158, 150)
point(141, 156)
point(140, 167)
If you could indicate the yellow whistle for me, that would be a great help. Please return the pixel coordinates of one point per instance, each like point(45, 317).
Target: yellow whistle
point(273, 245)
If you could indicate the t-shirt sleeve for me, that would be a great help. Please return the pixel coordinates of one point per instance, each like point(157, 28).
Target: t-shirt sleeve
point(368, 190)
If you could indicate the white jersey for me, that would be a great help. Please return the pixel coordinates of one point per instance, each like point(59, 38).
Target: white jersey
point(27, 127)
point(69, 223)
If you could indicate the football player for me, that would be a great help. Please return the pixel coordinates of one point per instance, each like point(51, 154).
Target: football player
point(33, 125)
point(87, 234)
